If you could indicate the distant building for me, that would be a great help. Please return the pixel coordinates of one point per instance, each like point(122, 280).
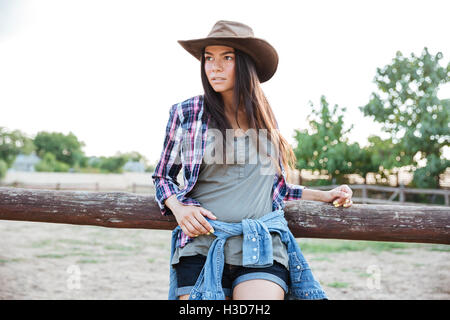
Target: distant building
point(92, 161)
point(24, 162)
point(134, 166)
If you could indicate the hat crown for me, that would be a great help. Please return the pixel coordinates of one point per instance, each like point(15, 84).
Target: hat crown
point(224, 28)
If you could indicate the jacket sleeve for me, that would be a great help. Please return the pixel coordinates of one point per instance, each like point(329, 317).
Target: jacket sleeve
point(293, 191)
point(169, 165)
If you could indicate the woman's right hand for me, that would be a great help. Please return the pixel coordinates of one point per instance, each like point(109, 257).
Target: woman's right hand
point(191, 218)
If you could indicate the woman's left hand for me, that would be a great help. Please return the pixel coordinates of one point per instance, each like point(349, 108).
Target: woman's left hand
point(341, 195)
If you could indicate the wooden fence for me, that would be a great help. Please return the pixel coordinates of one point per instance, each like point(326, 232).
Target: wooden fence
point(396, 192)
point(307, 219)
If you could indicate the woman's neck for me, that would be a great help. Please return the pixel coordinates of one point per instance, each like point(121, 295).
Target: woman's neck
point(230, 111)
point(227, 98)
point(229, 106)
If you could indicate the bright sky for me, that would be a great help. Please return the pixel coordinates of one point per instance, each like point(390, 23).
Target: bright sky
point(108, 71)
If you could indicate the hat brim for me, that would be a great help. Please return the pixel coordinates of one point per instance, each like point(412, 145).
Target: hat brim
point(263, 54)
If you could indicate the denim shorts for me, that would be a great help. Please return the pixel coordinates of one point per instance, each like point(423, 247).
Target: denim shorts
point(189, 267)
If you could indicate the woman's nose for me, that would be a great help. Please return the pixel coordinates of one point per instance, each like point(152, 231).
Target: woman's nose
point(217, 65)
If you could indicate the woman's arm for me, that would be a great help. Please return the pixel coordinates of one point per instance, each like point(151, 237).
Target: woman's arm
point(169, 165)
point(340, 195)
point(298, 192)
point(314, 195)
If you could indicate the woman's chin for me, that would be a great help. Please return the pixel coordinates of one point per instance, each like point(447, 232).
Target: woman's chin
point(220, 89)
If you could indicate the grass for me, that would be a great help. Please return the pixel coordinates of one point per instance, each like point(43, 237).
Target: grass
point(11, 260)
point(119, 247)
point(89, 261)
point(322, 259)
point(440, 247)
point(51, 256)
point(364, 274)
point(78, 242)
point(87, 250)
point(335, 245)
point(41, 243)
point(338, 284)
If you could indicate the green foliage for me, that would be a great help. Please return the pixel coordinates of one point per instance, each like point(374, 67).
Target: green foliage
point(426, 177)
point(112, 164)
point(133, 156)
point(65, 148)
point(60, 153)
point(386, 154)
point(326, 148)
point(3, 168)
point(381, 155)
point(108, 164)
point(12, 143)
point(418, 121)
point(150, 168)
point(50, 164)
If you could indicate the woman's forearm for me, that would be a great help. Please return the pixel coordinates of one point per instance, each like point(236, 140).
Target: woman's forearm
point(172, 202)
point(315, 195)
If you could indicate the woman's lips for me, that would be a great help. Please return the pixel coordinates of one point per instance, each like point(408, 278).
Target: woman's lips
point(218, 80)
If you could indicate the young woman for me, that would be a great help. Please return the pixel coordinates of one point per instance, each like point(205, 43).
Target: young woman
point(224, 187)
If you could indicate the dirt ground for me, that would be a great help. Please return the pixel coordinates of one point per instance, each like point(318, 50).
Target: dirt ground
point(60, 261)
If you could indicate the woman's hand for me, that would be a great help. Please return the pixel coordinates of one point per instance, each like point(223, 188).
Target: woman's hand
point(341, 195)
point(191, 218)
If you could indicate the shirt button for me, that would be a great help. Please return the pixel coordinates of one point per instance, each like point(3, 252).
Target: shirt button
point(254, 249)
point(253, 239)
point(306, 294)
point(254, 257)
point(298, 267)
point(193, 296)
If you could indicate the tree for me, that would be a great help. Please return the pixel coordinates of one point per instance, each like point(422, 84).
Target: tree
point(65, 148)
point(408, 107)
point(134, 156)
point(3, 169)
point(326, 148)
point(50, 164)
point(12, 143)
point(113, 164)
point(384, 156)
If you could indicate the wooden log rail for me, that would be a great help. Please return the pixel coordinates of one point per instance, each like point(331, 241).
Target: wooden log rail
point(307, 219)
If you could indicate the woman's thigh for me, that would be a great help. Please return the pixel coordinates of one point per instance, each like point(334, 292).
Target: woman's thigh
point(258, 289)
point(269, 283)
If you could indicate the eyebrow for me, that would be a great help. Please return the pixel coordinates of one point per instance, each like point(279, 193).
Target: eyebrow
point(223, 53)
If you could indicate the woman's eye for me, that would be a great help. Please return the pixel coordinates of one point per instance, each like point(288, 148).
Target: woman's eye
point(207, 58)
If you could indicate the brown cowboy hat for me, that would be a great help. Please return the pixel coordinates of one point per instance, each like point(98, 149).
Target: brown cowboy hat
point(239, 36)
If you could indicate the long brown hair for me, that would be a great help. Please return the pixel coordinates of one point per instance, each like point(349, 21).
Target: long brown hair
point(249, 94)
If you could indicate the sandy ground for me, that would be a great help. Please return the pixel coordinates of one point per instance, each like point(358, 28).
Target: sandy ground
point(60, 261)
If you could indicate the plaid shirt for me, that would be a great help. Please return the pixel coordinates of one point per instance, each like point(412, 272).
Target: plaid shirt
point(184, 146)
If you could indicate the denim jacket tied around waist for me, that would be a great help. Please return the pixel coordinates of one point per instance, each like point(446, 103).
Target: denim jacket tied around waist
point(256, 234)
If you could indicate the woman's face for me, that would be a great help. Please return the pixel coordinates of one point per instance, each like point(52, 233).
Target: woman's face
point(219, 67)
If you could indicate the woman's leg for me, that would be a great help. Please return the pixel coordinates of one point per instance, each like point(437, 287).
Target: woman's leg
point(258, 289)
